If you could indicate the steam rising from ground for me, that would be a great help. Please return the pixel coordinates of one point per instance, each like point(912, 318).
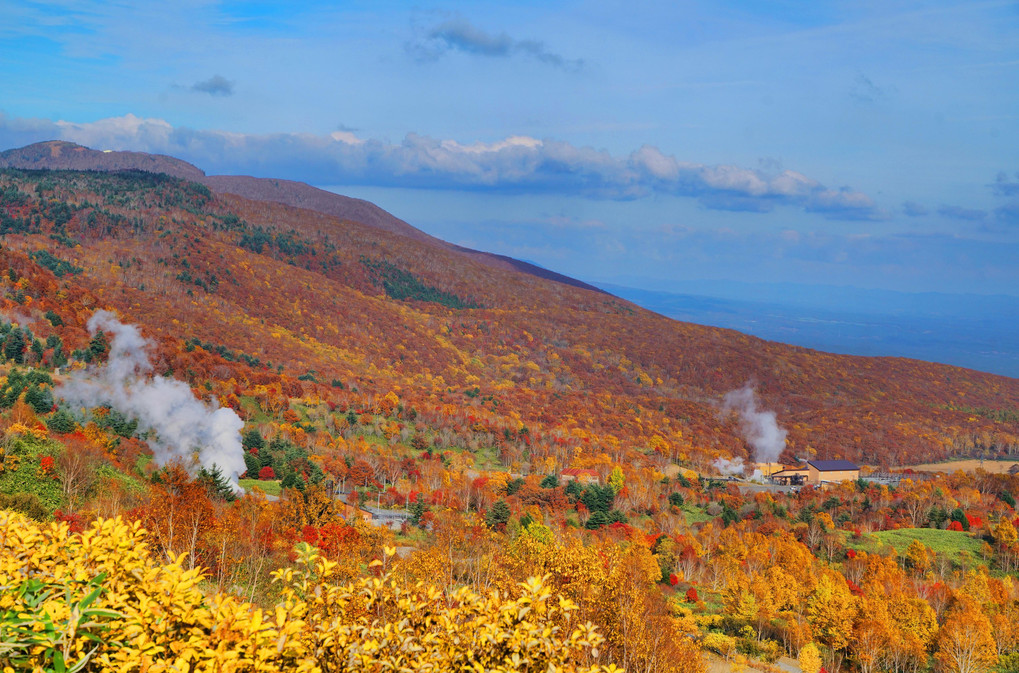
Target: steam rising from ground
point(759, 428)
point(185, 427)
point(729, 467)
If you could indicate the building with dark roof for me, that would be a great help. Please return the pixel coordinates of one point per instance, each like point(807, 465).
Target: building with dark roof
point(827, 471)
point(790, 476)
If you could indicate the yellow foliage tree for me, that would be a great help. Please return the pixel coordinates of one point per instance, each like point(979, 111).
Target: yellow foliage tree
point(918, 556)
point(616, 479)
point(965, 643)
point(810, 658)
point(831, 611)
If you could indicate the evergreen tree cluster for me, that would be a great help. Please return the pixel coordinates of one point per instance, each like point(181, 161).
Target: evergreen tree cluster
point(20, 346)
point(405, 286)
point(35, 384)
point(290, 463)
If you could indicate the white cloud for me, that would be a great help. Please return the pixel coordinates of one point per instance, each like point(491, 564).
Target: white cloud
point(516, 164)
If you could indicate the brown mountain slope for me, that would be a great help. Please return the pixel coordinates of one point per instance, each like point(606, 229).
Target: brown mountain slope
point(492, 352)
point(302, 195)
point(61, 155)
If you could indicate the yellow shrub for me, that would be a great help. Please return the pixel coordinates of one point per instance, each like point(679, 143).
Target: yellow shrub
point(719, 643)
point(100, 601)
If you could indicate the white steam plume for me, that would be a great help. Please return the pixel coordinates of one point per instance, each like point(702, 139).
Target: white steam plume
point(729, 468)
point(185, 427)
point(16, 317)
point(759, 428)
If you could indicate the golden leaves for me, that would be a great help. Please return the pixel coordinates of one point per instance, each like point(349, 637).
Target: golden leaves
point(148, 616)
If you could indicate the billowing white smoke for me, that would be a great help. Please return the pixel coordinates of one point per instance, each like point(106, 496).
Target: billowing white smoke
point(18, 318)
point(185, 427)
point(759, 428)
point(729, 468)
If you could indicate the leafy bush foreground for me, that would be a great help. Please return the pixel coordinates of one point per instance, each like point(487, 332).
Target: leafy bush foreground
point(100, 601)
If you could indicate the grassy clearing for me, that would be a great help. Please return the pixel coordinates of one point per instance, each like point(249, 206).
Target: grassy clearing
point(254, 412)
point(950, 466)
point(949, 543)
point(21, 471)
point(143, 460)
point(695, 514)
point(268, 486)
point(487, 458)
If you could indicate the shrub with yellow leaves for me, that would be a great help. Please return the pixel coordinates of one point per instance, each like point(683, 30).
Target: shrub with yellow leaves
point(100, 601)
point(377, 624)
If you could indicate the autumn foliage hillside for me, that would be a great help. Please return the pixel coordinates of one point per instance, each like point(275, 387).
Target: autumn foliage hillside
point(352, 312)
point(423, 433)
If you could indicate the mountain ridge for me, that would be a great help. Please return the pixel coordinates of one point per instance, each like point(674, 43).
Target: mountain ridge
point(64, 155)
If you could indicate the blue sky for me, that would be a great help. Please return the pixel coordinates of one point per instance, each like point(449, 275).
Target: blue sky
point(867, 144)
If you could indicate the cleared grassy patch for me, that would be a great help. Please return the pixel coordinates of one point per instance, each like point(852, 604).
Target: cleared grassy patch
point(487, 458)
point(695, 514)
point(255, 414)
point(268, 486)
point(947, 543)
point(969, 465)
point(22, 473)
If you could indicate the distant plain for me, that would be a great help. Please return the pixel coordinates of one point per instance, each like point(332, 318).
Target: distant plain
point(975, 331)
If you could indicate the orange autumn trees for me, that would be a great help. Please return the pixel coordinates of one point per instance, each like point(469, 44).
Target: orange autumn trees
point(178, 515)
point(614, 586)
point(965, 644)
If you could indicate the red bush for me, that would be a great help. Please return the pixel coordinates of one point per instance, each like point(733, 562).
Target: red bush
point(266, 473)
point(75, 523)
point(691, 595)
point(673, 579)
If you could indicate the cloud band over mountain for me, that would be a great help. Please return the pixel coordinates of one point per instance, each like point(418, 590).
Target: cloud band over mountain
point(518, 164)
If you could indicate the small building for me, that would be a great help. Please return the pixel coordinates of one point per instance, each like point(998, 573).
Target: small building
point(790, 476)
point(582, 475)
point(768, 469)
point(830, 471)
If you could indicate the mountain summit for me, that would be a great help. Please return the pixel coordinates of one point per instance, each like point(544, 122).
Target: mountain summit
point(59, 155)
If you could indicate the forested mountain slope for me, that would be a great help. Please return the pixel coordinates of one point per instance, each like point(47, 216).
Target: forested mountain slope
point(61, 155)
point(243, 293)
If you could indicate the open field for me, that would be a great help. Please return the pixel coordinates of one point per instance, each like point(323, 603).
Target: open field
point(945, 542)
point(268, 486)
point(995, 466)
